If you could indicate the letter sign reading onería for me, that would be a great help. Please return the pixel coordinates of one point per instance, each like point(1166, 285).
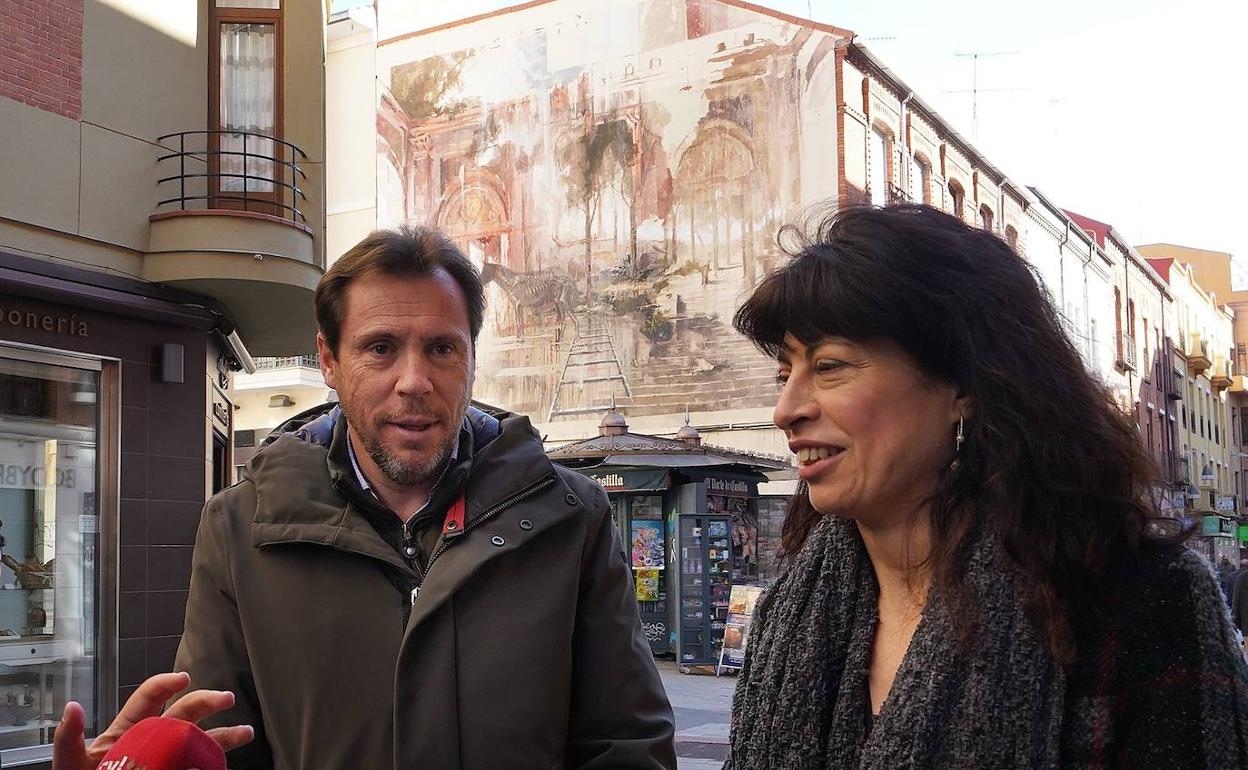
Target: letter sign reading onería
point(56, 323)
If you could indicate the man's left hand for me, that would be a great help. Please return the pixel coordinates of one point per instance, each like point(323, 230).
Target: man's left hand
point(69, 750)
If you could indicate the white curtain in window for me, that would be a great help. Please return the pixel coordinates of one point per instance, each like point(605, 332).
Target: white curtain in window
point(248, 104)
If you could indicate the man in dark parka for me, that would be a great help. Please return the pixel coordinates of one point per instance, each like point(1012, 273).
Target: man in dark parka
point(406, 582)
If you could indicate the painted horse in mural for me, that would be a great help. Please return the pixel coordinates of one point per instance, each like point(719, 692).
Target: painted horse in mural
point(537, 293)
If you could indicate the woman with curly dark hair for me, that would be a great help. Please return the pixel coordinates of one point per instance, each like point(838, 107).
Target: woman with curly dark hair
point(977, 577)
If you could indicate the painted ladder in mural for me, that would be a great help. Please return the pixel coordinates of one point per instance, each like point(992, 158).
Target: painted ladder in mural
point(592, 380)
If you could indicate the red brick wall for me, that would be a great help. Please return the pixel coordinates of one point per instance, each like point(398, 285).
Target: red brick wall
point(41, 54)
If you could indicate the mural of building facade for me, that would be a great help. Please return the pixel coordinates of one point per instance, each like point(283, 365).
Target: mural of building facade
point(619, 180)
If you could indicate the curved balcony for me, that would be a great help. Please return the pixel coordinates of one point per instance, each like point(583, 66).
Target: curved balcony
point(1198, 355)
point(231, 223)
point(1221, 377)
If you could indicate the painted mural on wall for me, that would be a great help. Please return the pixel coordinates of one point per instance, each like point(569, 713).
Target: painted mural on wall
point(619, 180)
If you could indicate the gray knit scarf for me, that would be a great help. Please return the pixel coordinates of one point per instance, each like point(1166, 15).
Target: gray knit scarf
point(802, 698)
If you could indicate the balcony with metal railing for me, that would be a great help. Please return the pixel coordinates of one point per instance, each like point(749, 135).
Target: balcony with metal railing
point(284, 362)
point(284, 374)
point(235, 221)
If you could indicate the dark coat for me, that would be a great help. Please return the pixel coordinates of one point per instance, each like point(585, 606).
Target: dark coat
point(1159, 680)
point(1239, 600)
point(523, 648)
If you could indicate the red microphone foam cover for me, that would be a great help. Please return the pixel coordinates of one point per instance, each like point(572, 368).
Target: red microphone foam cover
point(161, 743)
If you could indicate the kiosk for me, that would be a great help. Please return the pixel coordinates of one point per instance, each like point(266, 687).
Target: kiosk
point(688, 517)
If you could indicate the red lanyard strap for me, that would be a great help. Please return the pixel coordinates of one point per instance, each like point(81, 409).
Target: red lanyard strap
point(454, 517)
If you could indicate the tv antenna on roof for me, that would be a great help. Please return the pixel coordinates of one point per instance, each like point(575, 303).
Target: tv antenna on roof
point(975, 90)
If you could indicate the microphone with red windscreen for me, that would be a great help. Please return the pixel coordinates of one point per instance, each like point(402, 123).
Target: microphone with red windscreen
point(161, 743)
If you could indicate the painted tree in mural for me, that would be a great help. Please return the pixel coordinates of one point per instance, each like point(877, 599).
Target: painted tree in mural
point(588, 161)
point(429, 88)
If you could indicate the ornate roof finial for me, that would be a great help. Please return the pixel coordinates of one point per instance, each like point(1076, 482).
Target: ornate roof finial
point(688, 435)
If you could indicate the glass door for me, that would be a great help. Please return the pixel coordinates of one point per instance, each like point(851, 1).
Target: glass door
point(50, 468)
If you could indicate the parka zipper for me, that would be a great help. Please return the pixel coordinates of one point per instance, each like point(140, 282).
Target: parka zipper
point(445, 543)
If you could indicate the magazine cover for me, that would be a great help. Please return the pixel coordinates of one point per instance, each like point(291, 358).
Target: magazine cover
point(647, 585)
point(648, 552)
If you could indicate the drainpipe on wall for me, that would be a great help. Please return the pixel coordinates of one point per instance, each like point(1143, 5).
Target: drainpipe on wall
point(1000, 223)
point(1061, 268)
point(904, 131)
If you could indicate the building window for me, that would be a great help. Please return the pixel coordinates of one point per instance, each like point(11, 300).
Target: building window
point(245, 100)
point(1093, 348)
point(958, 197)
point(921, 179)
point(881, 147)
point(1118, 321)
point(1131, 317)
point(1011, 236)
point(985, 217)
point(57, 456)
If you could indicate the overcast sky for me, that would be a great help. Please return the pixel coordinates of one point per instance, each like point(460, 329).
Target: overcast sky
point(1129, 111)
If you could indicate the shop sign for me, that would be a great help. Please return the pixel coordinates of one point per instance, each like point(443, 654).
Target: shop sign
point(1243, 533)
point(56, 323)
point(631, 480)
point(221, 409)
point(1216, 525)
point(1226, 503)
point(728, 487)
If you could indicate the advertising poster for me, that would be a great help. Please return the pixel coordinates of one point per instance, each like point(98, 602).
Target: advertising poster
point(647, 546)
point(737, 630)
point(647, 585)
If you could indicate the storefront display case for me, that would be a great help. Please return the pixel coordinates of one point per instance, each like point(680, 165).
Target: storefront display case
point(703, 582)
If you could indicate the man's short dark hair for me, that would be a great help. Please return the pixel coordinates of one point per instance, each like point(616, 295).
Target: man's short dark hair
point(406, 252)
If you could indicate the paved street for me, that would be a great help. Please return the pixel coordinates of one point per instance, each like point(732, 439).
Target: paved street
point(702, 704)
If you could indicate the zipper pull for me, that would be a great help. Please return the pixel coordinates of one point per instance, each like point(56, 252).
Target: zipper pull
point(415, 593)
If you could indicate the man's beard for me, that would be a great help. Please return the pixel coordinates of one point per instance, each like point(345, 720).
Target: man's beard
point(403, 472)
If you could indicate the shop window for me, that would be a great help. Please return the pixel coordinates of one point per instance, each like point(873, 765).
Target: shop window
point(770, 512)
point(744, 534)
point(641, 520)
point(55, 416)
